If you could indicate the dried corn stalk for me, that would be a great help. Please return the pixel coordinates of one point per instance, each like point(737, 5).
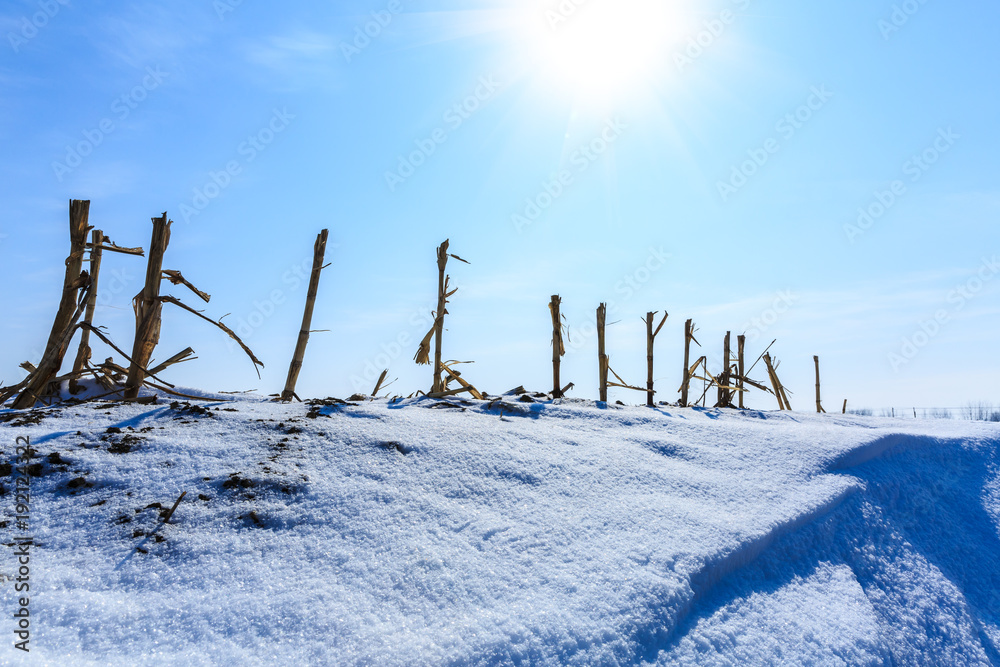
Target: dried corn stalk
point(558, 347)
point(436, 333)
point(651, 335)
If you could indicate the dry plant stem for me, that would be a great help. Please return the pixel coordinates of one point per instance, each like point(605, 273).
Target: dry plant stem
point(756, 384)
point(176, 278)
point(319, 253)
point(819, 403)
point(173, 509)
point(724, 398)
point(621, 383)
point(766, 350)
point(709, 379)
point(176, 359)
point(148, 307)
point(378, 385)
point(442, 261)
point(602, 357)
point(686, 381)
point(558, 349)
point(784, 396)
point(651, 335)
point(73, 282)
point(111, 247)
point(7, 392)
point(781, 388)
point(167, 390)
point(446, 394)
point(774, 381)
point(83, 353)
point(29, 395)
point(220, 325)
point(649, 359)
point(458, 378)
point(116, 368)
point(741, 342)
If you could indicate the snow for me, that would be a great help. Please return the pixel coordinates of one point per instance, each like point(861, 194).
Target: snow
point(565, 532)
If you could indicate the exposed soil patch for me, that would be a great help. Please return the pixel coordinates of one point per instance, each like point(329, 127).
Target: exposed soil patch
point(29, 418)
point(185, 409)
point(395, 446)
point(316, 406)
point(121, 445)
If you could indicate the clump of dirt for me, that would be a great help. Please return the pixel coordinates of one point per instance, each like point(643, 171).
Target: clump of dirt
point(27, 418)
point(316, 406)
point(506, 408)
point(185, 409)
point(125, 444)
point(237, 482)
point(79, 483)
point(445, 405)
point(395, 446)
point(56, 459)
point(252, 517)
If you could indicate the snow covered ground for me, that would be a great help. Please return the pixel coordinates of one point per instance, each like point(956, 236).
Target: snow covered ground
point(538, 533)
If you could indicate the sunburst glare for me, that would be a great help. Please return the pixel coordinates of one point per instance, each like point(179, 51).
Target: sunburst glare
point(596, 49)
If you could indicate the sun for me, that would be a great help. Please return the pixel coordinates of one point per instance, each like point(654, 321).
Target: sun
point(601, 48)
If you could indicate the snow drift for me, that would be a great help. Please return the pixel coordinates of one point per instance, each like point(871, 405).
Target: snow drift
point(466, 532)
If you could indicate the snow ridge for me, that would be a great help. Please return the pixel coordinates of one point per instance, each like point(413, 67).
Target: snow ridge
point(469, 533)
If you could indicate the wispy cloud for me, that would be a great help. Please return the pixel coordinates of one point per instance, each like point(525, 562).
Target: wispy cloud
point(152, 33)
point(299, 58)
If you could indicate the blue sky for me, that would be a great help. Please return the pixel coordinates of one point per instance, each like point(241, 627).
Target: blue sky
point(708, 159)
